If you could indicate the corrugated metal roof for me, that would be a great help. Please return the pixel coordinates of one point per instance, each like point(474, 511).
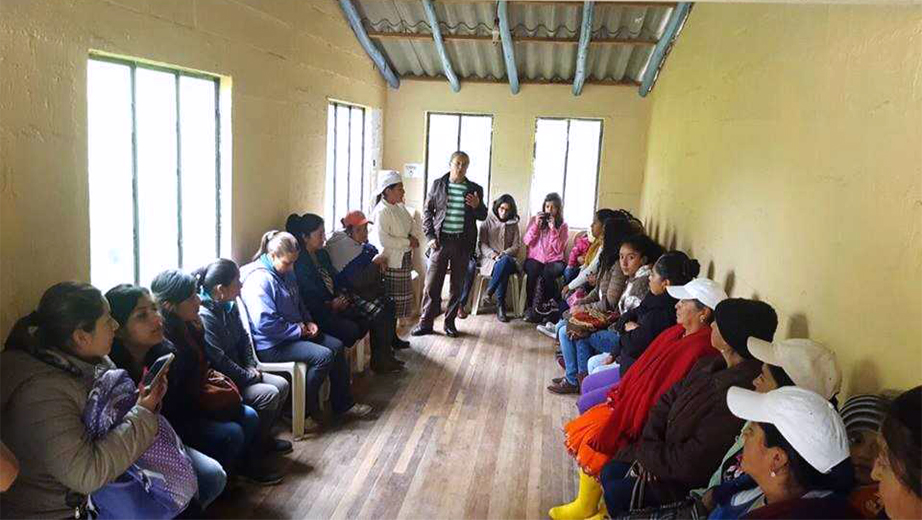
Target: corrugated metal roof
point(540, 61)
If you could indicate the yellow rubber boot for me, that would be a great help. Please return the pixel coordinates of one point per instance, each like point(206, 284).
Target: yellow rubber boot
point(586, 504)
point(603, 512)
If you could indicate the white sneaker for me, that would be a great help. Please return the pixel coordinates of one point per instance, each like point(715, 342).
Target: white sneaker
point(359, 411)
point(548, 330)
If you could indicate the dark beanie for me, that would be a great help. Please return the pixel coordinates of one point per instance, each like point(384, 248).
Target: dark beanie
point(739, 318)
point(172, 286)
point(123, 299)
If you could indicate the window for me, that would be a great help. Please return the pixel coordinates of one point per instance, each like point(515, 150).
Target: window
point(567, 154)
point(154, 170)
point(346, 162)
point(448, 133)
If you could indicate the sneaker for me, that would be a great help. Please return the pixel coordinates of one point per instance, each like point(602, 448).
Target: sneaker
point(548, 330)
point(359, 410)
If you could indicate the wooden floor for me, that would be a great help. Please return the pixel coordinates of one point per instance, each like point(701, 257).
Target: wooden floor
point(469, 431)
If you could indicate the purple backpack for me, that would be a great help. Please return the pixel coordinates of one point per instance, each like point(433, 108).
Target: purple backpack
point(161, 483)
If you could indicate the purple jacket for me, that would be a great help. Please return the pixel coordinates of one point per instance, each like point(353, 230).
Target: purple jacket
point(273, 303)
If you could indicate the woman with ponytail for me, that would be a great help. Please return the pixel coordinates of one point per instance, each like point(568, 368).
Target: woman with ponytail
point(229, 350)
point(51, 360)
point(284, 330)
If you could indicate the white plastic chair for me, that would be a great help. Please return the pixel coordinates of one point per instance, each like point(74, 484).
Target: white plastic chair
point(513, 293)
point(298, 373)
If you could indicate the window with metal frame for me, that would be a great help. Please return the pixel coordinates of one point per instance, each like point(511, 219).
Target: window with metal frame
point(346, 161)
point(446, 133)
point(566, 161)
point(154, 140)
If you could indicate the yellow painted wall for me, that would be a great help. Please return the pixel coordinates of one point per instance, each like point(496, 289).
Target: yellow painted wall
point(284, 57)
point(785, 152)
point(625, 116)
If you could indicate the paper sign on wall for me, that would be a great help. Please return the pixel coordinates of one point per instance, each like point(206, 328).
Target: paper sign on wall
point(412, 170)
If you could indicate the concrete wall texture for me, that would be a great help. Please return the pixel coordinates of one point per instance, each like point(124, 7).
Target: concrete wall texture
point(782, 146)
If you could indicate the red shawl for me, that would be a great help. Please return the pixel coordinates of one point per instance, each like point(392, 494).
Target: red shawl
point(665, 362)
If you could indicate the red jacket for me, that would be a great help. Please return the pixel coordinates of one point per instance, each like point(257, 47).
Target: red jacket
point(665, 362)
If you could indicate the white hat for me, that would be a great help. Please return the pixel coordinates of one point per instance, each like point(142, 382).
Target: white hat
point(805, 419)
point(388, 178)
point(809, 364)
point(704, 290)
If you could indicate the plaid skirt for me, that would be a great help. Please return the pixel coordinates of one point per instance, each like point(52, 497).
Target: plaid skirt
point(397, 286)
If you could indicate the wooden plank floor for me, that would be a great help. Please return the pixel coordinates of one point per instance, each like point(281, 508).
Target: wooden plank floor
point(469, 431)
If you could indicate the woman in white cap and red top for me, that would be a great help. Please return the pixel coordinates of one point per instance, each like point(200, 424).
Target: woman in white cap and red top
point(397, 234)
point(597, 435)
point(796, 449)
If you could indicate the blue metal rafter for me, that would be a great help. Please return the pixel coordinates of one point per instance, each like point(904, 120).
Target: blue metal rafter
point(673, 26)
point(440, 45)
point(508, 46)
point(585, 34)
point(355, 21)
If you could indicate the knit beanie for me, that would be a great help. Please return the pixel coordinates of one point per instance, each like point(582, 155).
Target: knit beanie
point(123, 299)
point(739, 318)
point(172, 286)
point(864, 412)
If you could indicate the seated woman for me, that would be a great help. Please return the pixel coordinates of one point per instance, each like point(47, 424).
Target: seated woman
point(597, 435)
point(589, 266)
point(50, 360)
point(500, 243)
point(790, 362)
point(638, 327)
point(897, 467)
point(796, 450)
point(223, 428)
point(546, 238)
point(229, 350)
point(863, 416)
point(283, 329)
point(337, 309)
point(398, 235)
point(635, 256)
point(139, 341)
point(690, 426)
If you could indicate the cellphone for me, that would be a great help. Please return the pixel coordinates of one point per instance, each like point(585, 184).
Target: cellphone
point(159, 367)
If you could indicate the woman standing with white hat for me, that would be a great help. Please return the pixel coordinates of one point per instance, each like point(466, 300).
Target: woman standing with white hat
point(395, 233)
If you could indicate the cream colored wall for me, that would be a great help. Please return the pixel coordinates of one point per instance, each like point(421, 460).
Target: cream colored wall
point(625, 115)
point(785, 152)
point(285, 57)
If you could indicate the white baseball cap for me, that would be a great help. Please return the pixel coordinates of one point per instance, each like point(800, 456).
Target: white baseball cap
point(388, 178)
point(804, 418)
point(704, 290)
point(809, 364)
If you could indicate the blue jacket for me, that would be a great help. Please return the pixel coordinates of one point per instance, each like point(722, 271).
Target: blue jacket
point(273, 303)
point(227, 345)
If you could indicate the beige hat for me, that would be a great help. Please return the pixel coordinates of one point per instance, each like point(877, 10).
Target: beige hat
point(704, 290)
point(805, 419)
point(809, 364)
point(388, 178)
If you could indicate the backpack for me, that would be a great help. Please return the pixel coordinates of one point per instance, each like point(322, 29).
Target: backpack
point(162, 482)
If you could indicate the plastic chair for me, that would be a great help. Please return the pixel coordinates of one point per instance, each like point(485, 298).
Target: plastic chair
point(298, 373)
point(513, 291)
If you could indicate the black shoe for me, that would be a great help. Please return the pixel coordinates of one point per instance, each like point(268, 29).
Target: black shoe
point(501, 312)
point(422, 331)
point(280, 446)
point(260, 477)
point(397, 360)
point(400, 344)
point(385, 366)
point(450, 330)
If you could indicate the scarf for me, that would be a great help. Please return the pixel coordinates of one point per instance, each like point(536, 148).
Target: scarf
point(594, 247)
point(327, 279)
point(665, 362)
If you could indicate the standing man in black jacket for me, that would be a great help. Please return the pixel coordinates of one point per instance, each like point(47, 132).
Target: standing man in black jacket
point(453, 206)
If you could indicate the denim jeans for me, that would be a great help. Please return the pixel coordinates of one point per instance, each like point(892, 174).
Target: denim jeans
point(324, 356)
point(210, 475)
point(576, 353)
point(499, 281)
point(470, 272)
point(597, 363)
point(617, 486)
point(225, 441)
point(569, 274)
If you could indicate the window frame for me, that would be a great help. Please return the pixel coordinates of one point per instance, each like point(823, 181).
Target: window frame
point(461, 115)
point(598, 168)
point(335, 104)
point(177, 73)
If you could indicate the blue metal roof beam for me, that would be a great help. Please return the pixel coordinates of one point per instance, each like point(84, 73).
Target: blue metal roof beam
point(658, 56)
point(585, 34)
point(508, 47)
point(355, 21)
point(440, 45)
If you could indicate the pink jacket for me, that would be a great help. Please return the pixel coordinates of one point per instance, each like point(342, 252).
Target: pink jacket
point(580, 246)
point(546, 245)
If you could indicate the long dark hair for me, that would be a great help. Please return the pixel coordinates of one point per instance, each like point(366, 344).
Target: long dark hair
point(302, 226)
point(646, 246)
point(220, 272)
point(505, 198)
point(677, 267)
point(902, 431)
point(123, 299)
point(840, 479)
point(615, 231)
point(555, 199)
